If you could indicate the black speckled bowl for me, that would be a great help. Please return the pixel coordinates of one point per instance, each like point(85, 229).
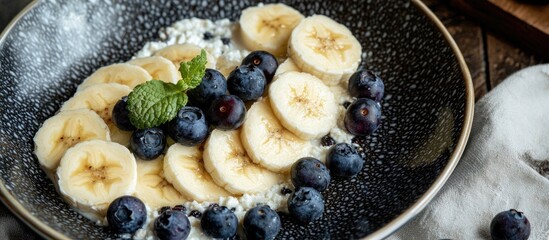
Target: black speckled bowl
point(53, 45)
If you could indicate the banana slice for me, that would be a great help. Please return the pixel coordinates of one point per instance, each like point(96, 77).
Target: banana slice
point(268, 143)
point(287, 66)
point(122, 73)
point(101, 98)
point(229, 165)
point(268, 27)
point(183, 53)
point(159, 68)
point(303, 104)
point(184, 168)
point(152, 187)
point(325, 48)
point(63, 131)
point(94, 173)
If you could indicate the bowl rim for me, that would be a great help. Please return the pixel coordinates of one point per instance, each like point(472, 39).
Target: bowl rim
point(49, 233)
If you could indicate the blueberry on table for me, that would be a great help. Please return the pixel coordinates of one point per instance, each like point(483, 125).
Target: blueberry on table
point(261, 222)
point(219, 222)
point(366, 84)
point(148, 144)
point(343, 160)
point(363, 117)
point(510, 225)
point(189, 127)
point(263, 60)
point(306, 205)
point(126, 214)
point(213, 85)
point(121, 115)
point(172, 225)
point(247, 82)
point(227, 112)
point(310, 172)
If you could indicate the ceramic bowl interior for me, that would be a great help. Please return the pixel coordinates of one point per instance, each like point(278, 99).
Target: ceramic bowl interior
point(426, 109)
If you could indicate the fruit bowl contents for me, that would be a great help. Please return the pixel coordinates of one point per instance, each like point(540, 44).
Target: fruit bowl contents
point(219, 126)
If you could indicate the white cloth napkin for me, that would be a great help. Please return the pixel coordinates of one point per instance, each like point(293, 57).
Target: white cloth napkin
point(505, 165)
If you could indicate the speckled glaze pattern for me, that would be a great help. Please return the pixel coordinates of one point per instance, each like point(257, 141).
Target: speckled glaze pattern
point(58, 43)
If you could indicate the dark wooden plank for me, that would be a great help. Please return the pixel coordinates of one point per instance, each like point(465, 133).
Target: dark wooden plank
point(505, 58)
point(513, 27)
point(468, 36)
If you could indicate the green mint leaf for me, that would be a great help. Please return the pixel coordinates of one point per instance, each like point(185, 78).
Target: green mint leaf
point(154, 102)
point(192, 72)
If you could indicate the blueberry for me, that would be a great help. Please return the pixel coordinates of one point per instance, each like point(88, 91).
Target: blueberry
point(226, 41)
point(310, 172)
point(510, 225)
point(247, 82)
point(363, 117)
point(343, 160)
point(366, 84)
point(172, 225)
point(213, 85)
point(261, 222)
point(227, 112)
point(148, 144)
point(126, 214)
point(219, 222)
point(207, 36)
point(121, 115)
point(189, 127)
point(195, 213)
point(306, 205)
point(263, 60)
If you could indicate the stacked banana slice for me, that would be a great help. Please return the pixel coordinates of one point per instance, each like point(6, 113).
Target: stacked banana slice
point(317, 45)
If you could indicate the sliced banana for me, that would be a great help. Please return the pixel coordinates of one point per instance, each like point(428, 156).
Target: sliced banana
point(303, 104)
point(122, 73)
point(153, 188)
point(63, 131)
point(287, 66)
point(101, 98)
point(184, 168)
point(159, 68)
point(229, 165)
point(325, 48)
point(179, 53)
point(268, 27)
point(268, 143)
point(94, 173)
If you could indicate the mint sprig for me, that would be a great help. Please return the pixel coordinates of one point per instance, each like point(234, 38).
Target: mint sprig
point(155, 102)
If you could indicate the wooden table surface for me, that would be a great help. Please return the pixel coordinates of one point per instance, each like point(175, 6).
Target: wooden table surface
point(490, 57)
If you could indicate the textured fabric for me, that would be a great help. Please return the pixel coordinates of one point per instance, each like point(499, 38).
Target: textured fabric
point(505, 165)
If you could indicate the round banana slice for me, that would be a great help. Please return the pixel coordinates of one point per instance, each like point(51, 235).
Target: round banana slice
point(63, 131)
point(303, 104)
point(268, 27)
point(94, 173)
point(122, 73)
point(287, 66)
point(159, 68)
point(184, 168)
point(179, 53)
point(325, 48)
point(229, 165)
point(101, 98)
point(153, 188)
point(268, 143)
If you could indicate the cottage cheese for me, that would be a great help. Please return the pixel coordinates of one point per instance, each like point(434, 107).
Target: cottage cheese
point(228, 56)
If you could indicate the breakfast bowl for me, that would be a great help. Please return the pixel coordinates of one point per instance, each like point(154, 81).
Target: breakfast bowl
point(52, 46)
